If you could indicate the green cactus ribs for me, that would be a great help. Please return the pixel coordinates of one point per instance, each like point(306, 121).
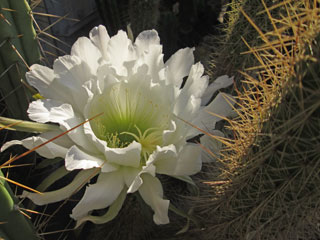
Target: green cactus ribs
point(14, 226)
point(18, 50)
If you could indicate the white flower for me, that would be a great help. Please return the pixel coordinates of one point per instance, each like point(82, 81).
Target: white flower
point(142, 129)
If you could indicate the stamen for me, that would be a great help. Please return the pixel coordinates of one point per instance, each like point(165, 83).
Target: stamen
point(147, 141)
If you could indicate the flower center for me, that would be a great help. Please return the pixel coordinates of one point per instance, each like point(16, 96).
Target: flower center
point(129, 114)
point(149, 140)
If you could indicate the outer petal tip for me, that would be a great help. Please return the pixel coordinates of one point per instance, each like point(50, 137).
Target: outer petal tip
point(152, 193)
point(9, 144)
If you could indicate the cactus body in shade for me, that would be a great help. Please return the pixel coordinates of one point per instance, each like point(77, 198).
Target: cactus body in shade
point(268, 187)
point(14, 226)
point(18, 50)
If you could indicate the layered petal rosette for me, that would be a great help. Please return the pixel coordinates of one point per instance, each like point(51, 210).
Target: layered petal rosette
point(142, 119)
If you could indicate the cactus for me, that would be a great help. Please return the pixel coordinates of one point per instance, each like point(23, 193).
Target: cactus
point(268, 185)
point(18, 49)
point(144, 15)
point(14, 226)
point(114, 14)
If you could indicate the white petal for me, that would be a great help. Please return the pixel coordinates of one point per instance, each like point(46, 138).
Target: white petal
point(146, 39)
point(189, 160)
point(78, 135)
point(222, 106)
point(137, 182)
point(165, 159)
point(40, 77)
point(169, 135)
point(46, 82)
point(87, 52)
point(106, 77)
point(100, 37)
point(56, 148)
point(119, 50)
point(221, 82)
point(109, 215)
point(152, 193)
point(168, 161)
point(71, 73)
point(49, 110)
point(54, 196)
point(128, 156)
point(73, 70)
point(179, 65)
point(212, 145)
point(177, 133)
point(99, 195)
point(153, 58)
point(150, 52)
point(196, 84)
point(189, 100)
point(187, 106)
point(9, 144)
point(129, 174)
point(77, 159)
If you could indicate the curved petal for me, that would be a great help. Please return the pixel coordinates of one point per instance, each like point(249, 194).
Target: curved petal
point(10, 144)
point(78, 135)
point(77, 159)
point(137, 182)
point(106, 77)
point(49, 110)
point(129, 174)
point(168, 161)
point(169, 135)
point(178, 66)
point(72, 74)
point(152, 193)
point(189, 160)
point(53, 149)
point(99, 195)
point(41, 77)
point(150, 53)
point(128, 156)
point(164, 159)
point(146, 39)
point(153, 58)
point(109, 215)
point(75, 72)
point(212, 146)
point(222, 106)
point(55, 196)
point(187, 106)
point(100, 37)
point(221, 82)
point(87, 52)
point(196, 84)
point(189, 99)
point(119, 50)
